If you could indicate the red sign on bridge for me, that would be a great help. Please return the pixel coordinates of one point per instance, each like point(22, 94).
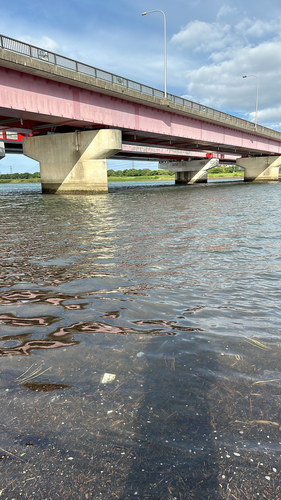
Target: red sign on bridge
point(12, 136)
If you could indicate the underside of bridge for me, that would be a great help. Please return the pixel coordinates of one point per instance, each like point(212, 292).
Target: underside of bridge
point(37, 125)
point(75, 163)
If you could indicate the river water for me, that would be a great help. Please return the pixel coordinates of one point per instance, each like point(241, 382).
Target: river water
point(140, 342)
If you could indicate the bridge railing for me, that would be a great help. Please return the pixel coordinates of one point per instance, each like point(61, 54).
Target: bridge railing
point(84, 69)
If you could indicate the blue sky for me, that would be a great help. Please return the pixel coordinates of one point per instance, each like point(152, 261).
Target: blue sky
point(211, 44)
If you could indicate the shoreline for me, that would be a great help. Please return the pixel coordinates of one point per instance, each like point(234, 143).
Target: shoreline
point(154, 178)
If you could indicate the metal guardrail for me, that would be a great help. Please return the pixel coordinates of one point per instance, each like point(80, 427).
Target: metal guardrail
point(84, 69)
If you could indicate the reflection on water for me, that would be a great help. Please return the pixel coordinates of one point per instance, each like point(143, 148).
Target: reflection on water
point(15, 345)
point(140, 343)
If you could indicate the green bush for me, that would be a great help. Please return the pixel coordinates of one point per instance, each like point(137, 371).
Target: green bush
point(24, 175)
point(133, 172)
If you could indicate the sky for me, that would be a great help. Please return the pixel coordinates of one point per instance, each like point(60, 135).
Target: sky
point(211, 44)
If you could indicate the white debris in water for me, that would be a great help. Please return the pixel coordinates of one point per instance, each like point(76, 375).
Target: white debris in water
point(107, 377)
point(236, 454)
point(54, 398)
point(140, 354)
point(274, 470)
point(267, 477)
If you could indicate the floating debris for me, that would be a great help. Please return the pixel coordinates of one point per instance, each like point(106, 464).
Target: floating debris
point(258, 344)
point(24, 377)
point(107, 378)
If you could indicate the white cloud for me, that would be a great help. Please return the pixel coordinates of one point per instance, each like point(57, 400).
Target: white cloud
point(44, 42)
point(226, 11)
point(49, 44)
point(269, 114)
point(202, 37)
point(257, 28)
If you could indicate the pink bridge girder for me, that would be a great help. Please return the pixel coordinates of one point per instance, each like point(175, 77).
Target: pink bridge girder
point(38, 105)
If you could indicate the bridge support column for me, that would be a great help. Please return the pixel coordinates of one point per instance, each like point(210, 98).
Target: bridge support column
point(74, 163)
point(190, 172)
point(260, 168)
point(2, 150)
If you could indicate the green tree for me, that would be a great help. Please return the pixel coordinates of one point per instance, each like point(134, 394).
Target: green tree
point(111, 173)
point(145, 171)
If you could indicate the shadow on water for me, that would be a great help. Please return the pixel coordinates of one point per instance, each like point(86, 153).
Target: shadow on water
point(173, 433)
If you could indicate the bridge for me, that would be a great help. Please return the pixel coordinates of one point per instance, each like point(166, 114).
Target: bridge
point(75, 116)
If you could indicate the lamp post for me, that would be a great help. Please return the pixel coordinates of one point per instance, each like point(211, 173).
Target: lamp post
point(257, 98)
point(165, 48)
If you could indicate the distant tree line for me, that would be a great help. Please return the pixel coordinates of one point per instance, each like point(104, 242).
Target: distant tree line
point(224, 170)
point(25, 175)
point(133, 172)
point(146, 172)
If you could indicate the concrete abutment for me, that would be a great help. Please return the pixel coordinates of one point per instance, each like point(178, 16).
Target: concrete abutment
point(74, 163)
point(260, 168)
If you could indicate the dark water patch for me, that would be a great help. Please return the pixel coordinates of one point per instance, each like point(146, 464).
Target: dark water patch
point(31, 439)
point(44, 386)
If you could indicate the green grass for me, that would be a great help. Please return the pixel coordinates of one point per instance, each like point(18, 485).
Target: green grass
point(140, 178)
point(228, 174)
point(17, 181)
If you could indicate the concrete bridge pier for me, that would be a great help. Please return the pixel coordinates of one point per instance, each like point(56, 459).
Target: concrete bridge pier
point(260, 168)
point(74, 163)
point(190, 172)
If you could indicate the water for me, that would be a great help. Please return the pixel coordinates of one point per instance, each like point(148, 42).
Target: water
point(140, 342)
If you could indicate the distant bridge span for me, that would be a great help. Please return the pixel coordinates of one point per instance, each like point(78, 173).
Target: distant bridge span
point(92, 114)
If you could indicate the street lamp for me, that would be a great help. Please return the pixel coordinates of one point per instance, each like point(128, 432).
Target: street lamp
point(165, 47)
point(247, 76)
